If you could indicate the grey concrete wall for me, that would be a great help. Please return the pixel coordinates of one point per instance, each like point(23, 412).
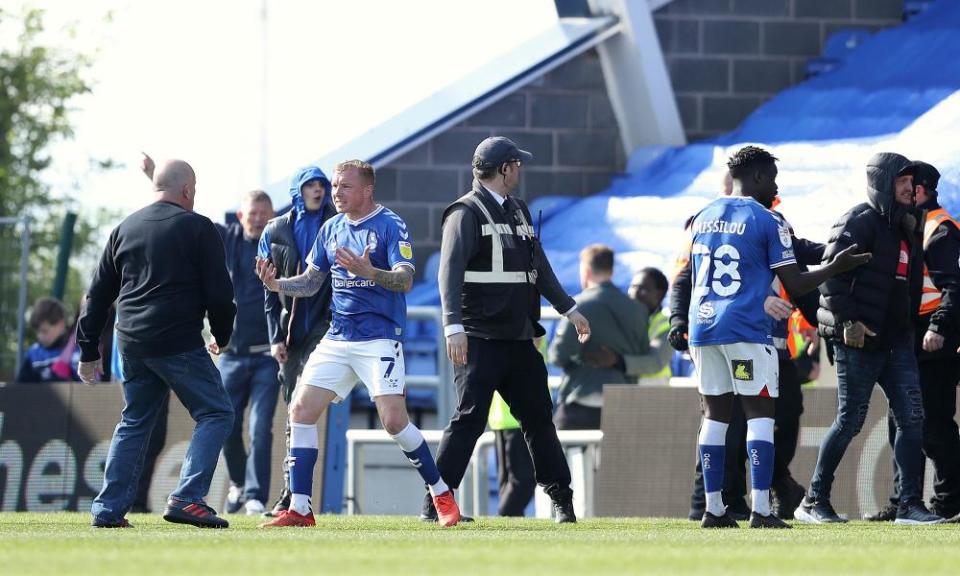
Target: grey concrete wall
point(726, 57)
point(564, 119)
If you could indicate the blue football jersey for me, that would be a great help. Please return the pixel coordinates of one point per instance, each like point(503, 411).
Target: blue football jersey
point(362, 310)
point(737, 243)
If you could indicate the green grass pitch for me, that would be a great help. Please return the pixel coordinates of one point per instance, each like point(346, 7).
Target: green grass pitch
point(35, 544)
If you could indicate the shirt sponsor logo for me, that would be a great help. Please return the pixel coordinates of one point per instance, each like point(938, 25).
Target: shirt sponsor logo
point(706, 311)
point(742, 369)
point(372, 240)
point(353, 283)
point(406, 250)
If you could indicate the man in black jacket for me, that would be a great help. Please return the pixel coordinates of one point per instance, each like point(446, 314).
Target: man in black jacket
point(936, 344)
point(296, 324)
point(866, 315)
point(164, 267)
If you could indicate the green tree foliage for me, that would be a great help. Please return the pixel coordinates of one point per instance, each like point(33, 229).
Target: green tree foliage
point(39, 89)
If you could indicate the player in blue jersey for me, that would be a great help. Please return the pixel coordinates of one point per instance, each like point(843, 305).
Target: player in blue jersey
point(366, 249)
point(738, 247)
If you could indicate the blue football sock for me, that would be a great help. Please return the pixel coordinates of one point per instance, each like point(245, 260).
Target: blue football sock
point(713, 452)
point(760, 453)
point(303, 459)
point(411, 441)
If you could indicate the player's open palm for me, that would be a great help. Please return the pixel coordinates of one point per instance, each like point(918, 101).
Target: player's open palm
point(848, 259)
point(359, 266)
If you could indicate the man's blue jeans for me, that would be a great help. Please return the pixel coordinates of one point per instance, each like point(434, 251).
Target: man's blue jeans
point(251, 379)
point(857, 370)
point(195, 380)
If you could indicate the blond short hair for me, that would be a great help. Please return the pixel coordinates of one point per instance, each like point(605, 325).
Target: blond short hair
point(364, 168)
point(254, 196)
point(599, 257)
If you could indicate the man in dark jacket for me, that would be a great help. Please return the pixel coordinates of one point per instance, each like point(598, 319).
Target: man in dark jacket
point(936, 344)
point(867, 316)
point(164, 267)
point(617, 322)
point(296, 325)
point(249, 372)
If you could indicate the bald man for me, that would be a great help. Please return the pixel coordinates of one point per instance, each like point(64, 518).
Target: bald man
point(164, 266)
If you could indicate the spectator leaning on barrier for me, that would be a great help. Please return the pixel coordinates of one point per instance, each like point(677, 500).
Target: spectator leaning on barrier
point(492, 272)
point(617, 323)
point(296, 324)
point(866, 316)
point(249, 371)
point(164, 267)
point(54, 356)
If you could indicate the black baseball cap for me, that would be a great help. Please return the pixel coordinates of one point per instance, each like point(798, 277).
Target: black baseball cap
point(498, 150)
point(925, 175)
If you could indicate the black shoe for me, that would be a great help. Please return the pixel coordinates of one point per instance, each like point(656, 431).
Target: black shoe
point(563, 511)
point(428, 513)
point(944, 511)
point(886, 514)
point(121, 524)
point(785, 499)
point(739, 510)
point(914, 512)
point(195, 514)
point(771, 521)
point(282, 504)
point(819, 512)
point(725, 521)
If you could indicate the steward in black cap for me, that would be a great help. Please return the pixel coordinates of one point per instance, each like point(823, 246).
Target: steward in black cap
point(492, 274)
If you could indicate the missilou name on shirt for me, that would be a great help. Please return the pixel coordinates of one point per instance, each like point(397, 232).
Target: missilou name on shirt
point(719, 226)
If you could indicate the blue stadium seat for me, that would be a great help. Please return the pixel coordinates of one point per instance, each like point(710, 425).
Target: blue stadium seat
point(836, 49)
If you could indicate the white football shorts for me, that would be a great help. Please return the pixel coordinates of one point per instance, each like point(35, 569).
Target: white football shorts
point(744, 368)
point(336, 365)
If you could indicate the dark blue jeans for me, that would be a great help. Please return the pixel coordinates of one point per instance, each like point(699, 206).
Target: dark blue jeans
point(251, 380)
point(895, 370)
point(195, 380)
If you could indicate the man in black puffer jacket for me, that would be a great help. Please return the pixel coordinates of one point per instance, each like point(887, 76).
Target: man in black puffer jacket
point(866, 316)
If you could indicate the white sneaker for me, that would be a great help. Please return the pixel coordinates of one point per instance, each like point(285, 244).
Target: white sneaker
point(234, 499)
point(254, 508)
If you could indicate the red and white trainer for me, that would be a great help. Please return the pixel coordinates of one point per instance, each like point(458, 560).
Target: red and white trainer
point(448, 513)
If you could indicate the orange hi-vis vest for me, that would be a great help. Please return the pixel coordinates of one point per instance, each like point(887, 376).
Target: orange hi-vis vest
point(930, 297)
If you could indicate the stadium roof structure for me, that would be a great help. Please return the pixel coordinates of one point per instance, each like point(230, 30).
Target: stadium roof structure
point(636, 76)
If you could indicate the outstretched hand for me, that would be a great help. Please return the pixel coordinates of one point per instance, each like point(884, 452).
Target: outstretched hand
point(147, 165)
point(267, 274)
point(847, 259)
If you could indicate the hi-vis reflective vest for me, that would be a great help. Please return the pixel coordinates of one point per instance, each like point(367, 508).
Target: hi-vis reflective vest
point(658, 326)
point(930, 297)
point(499, 298)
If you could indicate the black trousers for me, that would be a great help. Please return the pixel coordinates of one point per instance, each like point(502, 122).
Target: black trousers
point(786, 435)
point(515, 369)
point(514, 472)
point(941, 437)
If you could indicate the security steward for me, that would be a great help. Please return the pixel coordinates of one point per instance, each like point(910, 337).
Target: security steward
point(492, 273)
point(937, 339)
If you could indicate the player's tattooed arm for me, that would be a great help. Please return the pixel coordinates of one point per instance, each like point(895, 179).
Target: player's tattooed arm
point(399, 280)
point(303, 285)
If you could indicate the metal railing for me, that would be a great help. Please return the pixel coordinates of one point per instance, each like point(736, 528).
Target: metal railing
point(583, 471)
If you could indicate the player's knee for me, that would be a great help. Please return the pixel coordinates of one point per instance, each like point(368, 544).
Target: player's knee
point(302, 412)
point(394, 421)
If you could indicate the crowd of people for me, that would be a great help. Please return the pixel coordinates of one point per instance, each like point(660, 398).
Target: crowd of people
point(306, 304)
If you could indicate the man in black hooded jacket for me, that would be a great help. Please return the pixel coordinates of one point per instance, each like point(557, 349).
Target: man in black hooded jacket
point(866, 316)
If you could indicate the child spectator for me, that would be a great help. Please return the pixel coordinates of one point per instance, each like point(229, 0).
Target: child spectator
point(54, 357)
